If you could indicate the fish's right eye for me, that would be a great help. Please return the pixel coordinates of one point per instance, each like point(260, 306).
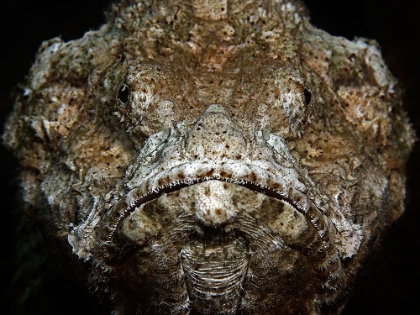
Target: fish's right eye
point(123, 95)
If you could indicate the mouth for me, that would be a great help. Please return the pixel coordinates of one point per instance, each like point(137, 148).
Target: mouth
point(254, 178)
point(223, 196)
point(215, 232)
point(211, 232)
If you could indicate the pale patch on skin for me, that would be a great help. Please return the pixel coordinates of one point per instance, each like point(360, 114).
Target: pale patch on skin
point(290, 223)
point(212, 157)
point(212, 203)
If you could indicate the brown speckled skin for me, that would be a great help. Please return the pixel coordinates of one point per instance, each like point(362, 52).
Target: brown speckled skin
point(216, 185)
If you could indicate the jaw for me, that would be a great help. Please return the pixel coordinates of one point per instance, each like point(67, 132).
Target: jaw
point(220, 247)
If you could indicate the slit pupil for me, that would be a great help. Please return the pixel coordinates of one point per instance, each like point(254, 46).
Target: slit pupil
point(308, 96)
point(123, 94)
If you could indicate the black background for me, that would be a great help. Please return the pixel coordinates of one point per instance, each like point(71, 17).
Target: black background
point(391, 285)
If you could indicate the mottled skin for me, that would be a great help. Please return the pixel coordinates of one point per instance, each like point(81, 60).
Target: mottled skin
point(212, 157)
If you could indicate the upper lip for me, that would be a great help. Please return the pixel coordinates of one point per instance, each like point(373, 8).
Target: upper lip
point(281, 185)
point(256, 179)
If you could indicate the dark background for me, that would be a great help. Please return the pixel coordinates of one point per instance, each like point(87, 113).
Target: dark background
point(389, 286)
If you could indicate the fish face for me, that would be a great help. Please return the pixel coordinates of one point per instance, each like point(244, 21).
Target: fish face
point(220, 157)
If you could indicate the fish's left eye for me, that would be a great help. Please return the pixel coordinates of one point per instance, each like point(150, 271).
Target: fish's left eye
point(308, 96)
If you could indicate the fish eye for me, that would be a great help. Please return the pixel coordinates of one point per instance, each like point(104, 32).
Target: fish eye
point(308, 96)
point(123, 93)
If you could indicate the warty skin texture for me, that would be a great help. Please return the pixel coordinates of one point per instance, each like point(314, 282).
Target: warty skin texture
point(203, 159)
